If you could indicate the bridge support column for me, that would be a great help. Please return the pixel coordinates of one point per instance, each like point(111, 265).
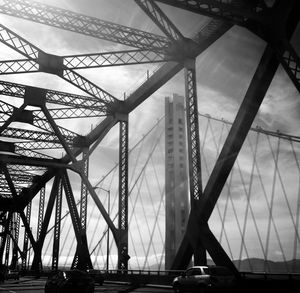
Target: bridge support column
point(194, 159)
point(15, 233)
point(25, 245)
point(57, 224)
point(83, 199)
point(37, 260)
point(123, 256)
point(84, 260)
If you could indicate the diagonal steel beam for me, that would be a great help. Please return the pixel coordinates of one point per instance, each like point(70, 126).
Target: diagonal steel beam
point(290, 61)
point(222, 9)
point(204, 38)
point(239, 130)
point(160, 19)
point(82, 24)
point(46, 63)
point(9, 180)
point(84, 261)
point(18, 66)
point(17, 43)
point(117, 58)
point(50, 96)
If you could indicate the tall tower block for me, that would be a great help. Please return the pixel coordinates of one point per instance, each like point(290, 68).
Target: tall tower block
point(177, 199)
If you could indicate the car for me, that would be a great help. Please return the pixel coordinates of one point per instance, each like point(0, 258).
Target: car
point(11, 274)
point(199, 278)
point(74, 281)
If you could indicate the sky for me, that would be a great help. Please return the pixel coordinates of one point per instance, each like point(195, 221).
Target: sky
point(224, 72)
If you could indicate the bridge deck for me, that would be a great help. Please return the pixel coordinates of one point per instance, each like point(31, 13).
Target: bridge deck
point(37, 286)
point(31, 284)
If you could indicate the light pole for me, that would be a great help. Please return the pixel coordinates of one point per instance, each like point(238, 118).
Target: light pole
point(108, 212)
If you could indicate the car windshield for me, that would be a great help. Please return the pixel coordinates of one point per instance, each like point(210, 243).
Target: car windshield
point(194, 272)
point(206, 271)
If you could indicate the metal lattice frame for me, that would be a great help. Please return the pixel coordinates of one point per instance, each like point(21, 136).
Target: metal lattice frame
point(25, 244)
point(57, 224)
point(83, 200)
point(151, 48)
point(84, 261)
point(193, 132)
point(123, 196)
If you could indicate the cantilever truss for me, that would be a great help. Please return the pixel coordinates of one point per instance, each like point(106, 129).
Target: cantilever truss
point(25, 169)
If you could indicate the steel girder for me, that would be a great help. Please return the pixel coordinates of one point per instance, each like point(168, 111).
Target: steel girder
point(83, 201)
point(258, 18)
point(37, 60)
point(214, 30)
point(37, 260)
point(82, 24)
point(50, 96)
point(57, 225)
point(117, 58)
point(234, 11)
point(84, 261)
point(41, 211)
point(160, 19)
point(15, 238)
point(25, 244)
point(123, 256)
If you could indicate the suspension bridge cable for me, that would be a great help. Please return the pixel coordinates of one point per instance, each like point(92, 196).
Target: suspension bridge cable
point(206, 165)
point(272, 195)
point(149, 231)
point(296, 240)
point(233, 206)
point(248, 194)
point(268, 207)
point(143, 169)
point(287, 201)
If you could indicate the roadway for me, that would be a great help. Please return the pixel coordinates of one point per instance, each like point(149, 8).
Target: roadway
point(29, 285)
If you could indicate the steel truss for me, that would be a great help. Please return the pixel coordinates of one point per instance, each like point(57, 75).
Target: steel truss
point(177, 53)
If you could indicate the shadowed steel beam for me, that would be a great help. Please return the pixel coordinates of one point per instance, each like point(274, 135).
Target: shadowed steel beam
point(84, 261)
point(5, 233)
point(220, 8)
point(19, 160)
point(37, 261)
point(194, 157)
point(58, 133)
point(67, 20)
point(160, 19)
point(28, 234)
point(57, 224)
point(195, 180)
point(123, 256)
point(83, 199)
point(15, 238)
point(290, 61)
point(36, 95)
point(204, 39)
point(239, 130)
point(41, 211)
point(207, 36)
point(99, 205)
point(11, 119)
point(9, 180)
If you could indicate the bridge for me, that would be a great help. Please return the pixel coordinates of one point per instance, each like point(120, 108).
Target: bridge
point(82, 145)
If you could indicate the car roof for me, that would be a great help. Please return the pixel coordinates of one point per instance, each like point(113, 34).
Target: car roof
point(198, 267)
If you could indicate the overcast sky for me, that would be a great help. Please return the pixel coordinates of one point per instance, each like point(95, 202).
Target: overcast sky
point(224, 72)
